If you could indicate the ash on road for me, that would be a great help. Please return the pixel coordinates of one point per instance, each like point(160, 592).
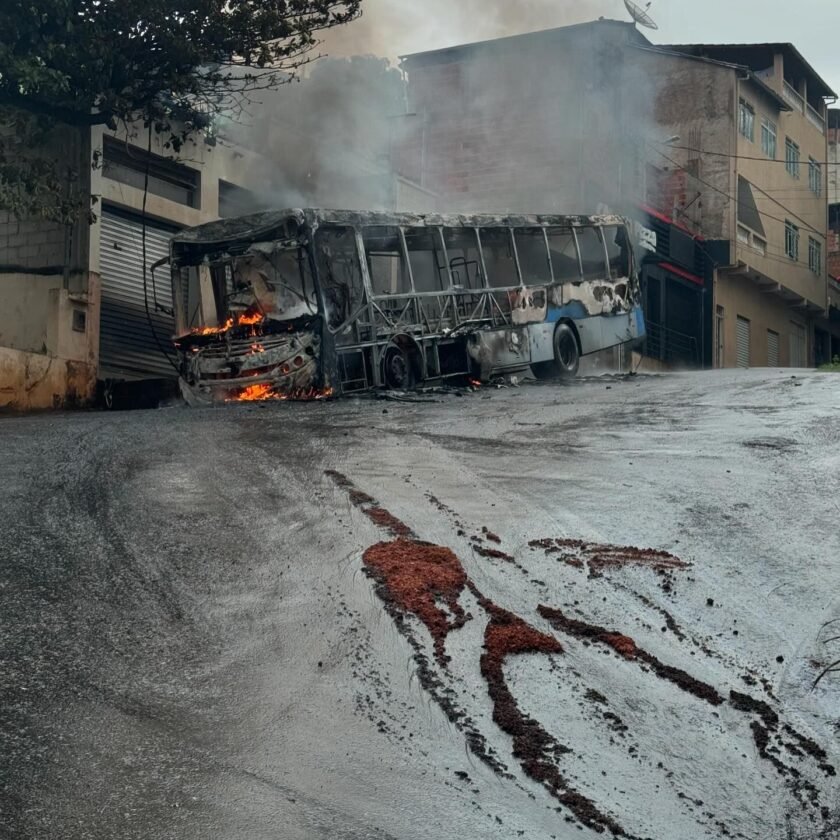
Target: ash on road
point(548, 612)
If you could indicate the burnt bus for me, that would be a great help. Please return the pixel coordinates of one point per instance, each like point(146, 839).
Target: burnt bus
point(313, 303)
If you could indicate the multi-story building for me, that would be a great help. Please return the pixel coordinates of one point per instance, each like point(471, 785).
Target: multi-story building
point(727, 143)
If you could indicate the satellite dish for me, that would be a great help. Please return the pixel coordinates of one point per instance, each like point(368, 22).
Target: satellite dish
point(640, 15)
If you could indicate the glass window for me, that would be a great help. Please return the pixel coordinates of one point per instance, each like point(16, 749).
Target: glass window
point(792, 240)
point(815, 176)
point(464, 258)
point(792, 157)
point(274, 277)
point(618, 250)
point(427, 262)
point(498, 257)
point(768, 138)
point(340, 273)
point(386, 262)
point(564, 255)
point(592, 254)
point(814, 255)
point(533, 256)
point(746, 119)
point(743, 235)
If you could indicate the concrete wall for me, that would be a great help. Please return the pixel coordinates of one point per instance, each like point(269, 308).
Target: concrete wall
point(44, 281)
point(738, 296)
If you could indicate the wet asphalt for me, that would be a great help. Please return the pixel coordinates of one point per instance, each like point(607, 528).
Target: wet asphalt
point(174, 590)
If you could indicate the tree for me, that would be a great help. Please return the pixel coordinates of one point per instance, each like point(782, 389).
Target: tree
point(170, 63)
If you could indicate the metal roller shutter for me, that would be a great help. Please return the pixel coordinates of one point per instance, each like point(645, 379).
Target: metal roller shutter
point(772, 349)
point(743, 342)
point(798, 345)
point(127, 347)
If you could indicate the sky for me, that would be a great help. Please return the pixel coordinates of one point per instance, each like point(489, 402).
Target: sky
point(398, 27)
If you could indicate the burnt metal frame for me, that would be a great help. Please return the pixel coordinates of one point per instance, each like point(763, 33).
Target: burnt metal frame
point(424, 332)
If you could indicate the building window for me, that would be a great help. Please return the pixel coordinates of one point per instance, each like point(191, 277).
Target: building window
point(759, 245)
point(792, 240)
point(768, 138)
point(746, 120)
point(814, 255)
point(237, 201)
point(166, 178)
point(743, 235)
point(792, 157)
point(815, 176)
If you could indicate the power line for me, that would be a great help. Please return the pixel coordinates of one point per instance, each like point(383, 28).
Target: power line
point(763, 159)
point(743, 203)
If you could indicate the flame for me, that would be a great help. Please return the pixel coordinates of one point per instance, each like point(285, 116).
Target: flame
point(476, 383)
point(264, 392)
point(245, 319)
point(257, 348)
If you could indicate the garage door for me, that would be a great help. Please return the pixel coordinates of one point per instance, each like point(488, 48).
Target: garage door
point(127, 347)
point(772, 349)
point(798, 345)
point(743, 342)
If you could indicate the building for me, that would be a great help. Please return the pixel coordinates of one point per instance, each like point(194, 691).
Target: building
point(726, 143)
point(74, 312)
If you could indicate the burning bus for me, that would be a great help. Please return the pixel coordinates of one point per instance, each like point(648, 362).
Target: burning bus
point(305, 304)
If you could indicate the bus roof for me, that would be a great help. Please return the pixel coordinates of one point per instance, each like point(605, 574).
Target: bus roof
point(263, 224)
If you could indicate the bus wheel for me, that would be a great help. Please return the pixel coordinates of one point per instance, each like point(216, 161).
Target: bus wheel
point(566, 356)
point(397, 370)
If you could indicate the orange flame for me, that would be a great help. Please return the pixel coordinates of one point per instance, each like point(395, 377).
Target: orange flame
point(476, 383)
point(245, 319)
point(264, 392)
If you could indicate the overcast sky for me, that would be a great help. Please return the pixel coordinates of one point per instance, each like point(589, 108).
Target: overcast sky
point(398, 27)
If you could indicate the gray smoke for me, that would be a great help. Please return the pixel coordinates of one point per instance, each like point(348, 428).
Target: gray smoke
point(330, 140)
point(399, 27)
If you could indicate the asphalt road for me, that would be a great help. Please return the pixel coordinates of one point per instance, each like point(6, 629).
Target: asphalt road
point(190, 648)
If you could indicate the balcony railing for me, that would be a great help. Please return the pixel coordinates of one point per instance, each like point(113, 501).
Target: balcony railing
point(672, 347)
point(790, 93)
point(815, 118)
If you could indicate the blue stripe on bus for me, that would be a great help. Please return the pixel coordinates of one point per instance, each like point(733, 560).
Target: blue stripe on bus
point(574, 310)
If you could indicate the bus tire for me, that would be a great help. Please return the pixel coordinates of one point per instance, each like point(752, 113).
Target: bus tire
point(398, 372)
point(566, 361)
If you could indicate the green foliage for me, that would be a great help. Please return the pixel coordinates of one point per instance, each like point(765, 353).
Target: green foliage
point(832, 367)
point(168, 63)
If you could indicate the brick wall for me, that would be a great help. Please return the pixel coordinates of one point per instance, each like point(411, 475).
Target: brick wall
point(529, 125)
point(31, 244)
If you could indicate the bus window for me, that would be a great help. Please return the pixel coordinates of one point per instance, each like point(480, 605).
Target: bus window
point(274, 277)
point(464, 258)
point(498, 257)
point(618, 250)
point(564, 255)
point(426, 257)
point(592, 253)
point(386, 262)
point(533, 258)
point(340, 273)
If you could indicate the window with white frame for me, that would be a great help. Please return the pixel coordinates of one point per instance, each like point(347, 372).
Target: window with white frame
point(815, 255)
point(746, 119)
point(792, 240)
point(759, 245)
point(743, 235)
point(792, 157)
point(768, 138)
point(815, 176)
